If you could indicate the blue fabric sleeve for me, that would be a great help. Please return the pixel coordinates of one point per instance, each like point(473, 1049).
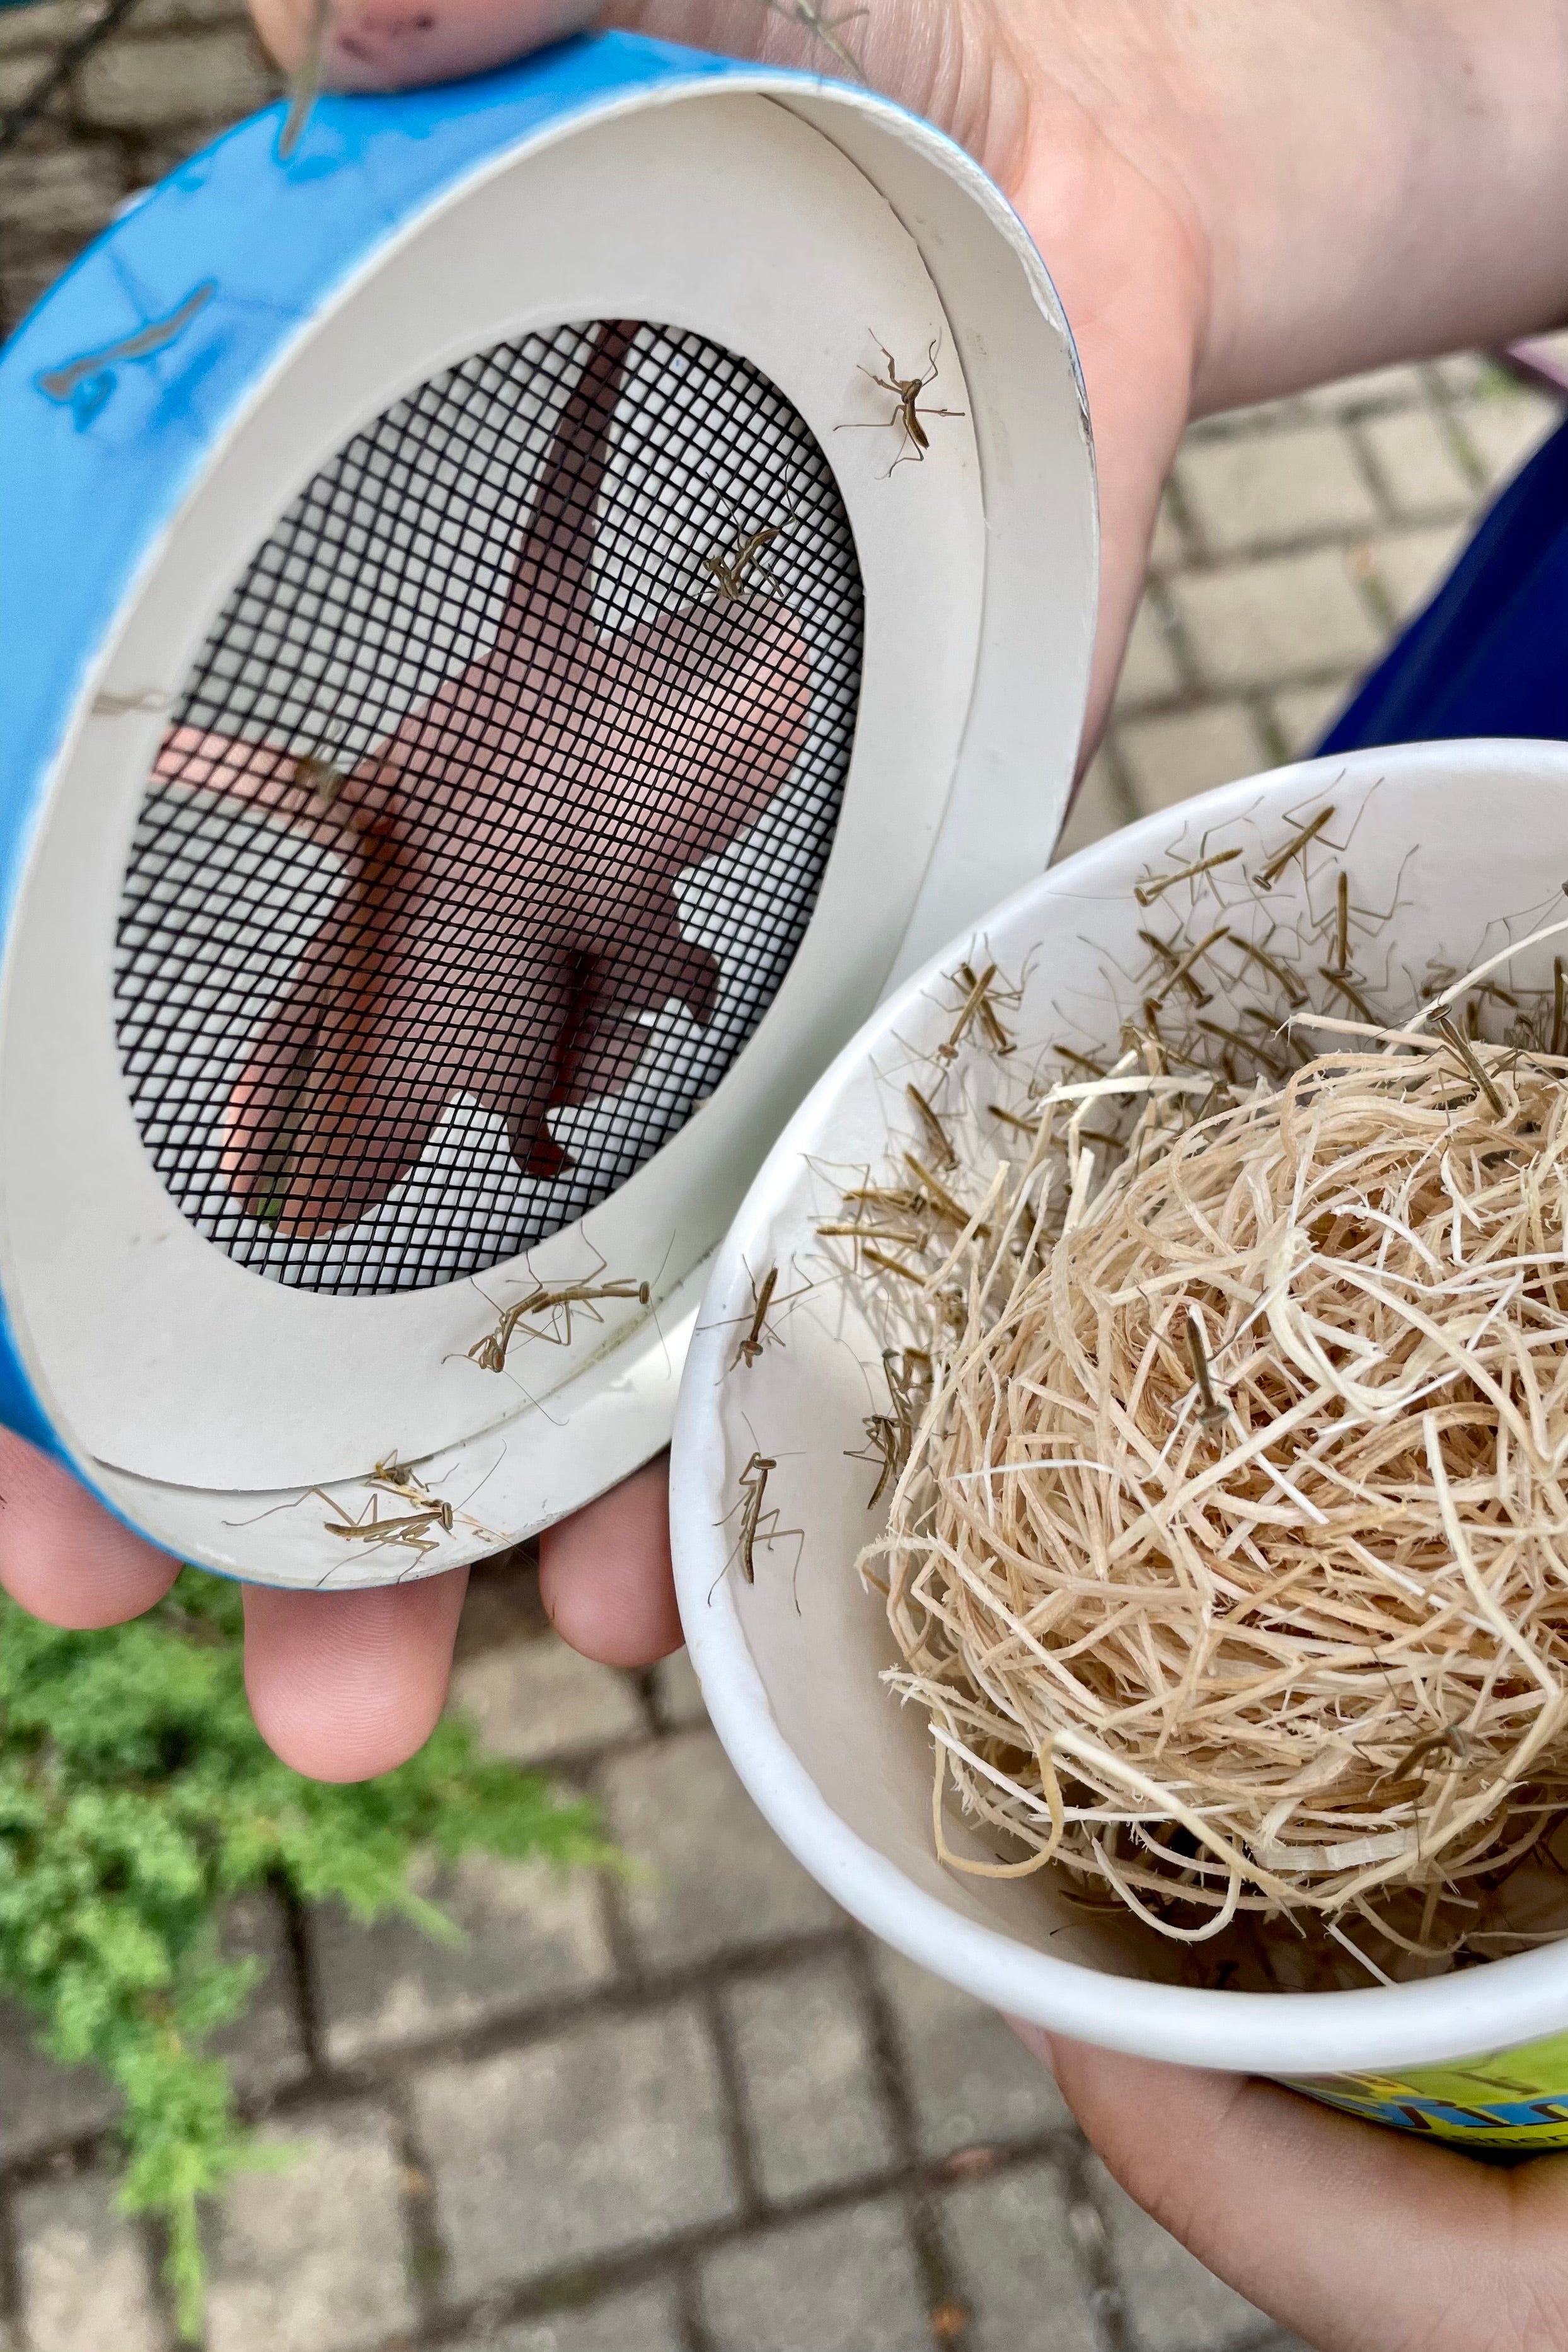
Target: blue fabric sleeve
point(1489, 654)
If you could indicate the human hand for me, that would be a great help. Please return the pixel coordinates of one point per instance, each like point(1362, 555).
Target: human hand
point(1233, 201)
point(1358, 2238)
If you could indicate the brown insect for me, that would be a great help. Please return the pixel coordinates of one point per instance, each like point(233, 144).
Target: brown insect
point(979, 1005)
point(1472, 1062)
point(936, 1134)
point(1559, 1005)
point(1269, 875)
point(730, 570)
point(757, 1335)
point(1084, 1062)
point(1158, 884)
point(1271, 1062)
point(890, 1436)
point(414, 1531)
point(1177, 971)
point(1346, 988)
point(1452, 1738)
point(906, 418)
point(305, 87)
point(1342, 923)
point(759, 1523)
point(559, 1301)
point(822, 29)
point(1282, 974)
point(1211, 1412)
point(1029, 1127)
point(951, 1211)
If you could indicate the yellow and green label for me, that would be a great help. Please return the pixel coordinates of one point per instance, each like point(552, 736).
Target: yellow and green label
point(1505, 2098)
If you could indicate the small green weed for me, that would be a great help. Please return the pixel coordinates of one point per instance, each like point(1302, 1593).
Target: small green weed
point(136, 1798)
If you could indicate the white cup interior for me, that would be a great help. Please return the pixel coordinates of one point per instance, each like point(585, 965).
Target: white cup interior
point(1467, 845)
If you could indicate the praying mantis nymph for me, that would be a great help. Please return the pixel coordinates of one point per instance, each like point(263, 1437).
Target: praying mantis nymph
point(759, 1524)
point(906, 418)
point(414, 1531)
point(1281, 973)
point(1266, 876)
point(730, 569)
point(807, 14)
point(1473, 1065)
point(765, 1300)
point(936, 1134)
point(1211, 1412)
point(890, 1436)
point(489, 1352)
point(979, 1005)
point(1157, 884)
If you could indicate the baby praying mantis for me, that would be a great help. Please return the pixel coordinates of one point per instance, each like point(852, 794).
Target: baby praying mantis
point(890, 1436)
point(306, 85)
point(730, 569)
point(979, 1006)
point(557, 1302)
point(414, 1531)
point(822, 29)
point(765, 1301)
point(1157, 884)
point(1211, 1412)
point(905, 390)
point(759, 1522)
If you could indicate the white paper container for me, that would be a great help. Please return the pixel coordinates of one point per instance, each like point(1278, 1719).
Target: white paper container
point(1469, 841)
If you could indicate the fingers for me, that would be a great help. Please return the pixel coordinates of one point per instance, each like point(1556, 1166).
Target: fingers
point(347, 1685)
point(62, 1555)
point(399, 43)
point(1359, 2238)
point(606, 1578)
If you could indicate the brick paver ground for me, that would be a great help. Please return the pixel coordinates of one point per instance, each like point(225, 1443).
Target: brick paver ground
point(695, 2110)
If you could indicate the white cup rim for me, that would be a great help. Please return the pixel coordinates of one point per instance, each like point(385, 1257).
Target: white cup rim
point(1377, 2030)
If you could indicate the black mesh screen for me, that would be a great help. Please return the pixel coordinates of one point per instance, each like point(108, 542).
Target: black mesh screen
point(493, 811)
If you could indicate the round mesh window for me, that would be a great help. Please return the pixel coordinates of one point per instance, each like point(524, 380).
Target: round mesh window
point(493, 811)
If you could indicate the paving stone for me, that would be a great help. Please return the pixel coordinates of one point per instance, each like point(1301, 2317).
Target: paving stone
point(266, 2047)
point(962, 2065)
point(529, 1933)
point(534, 1699)
point(46, 26)
point(313, 2258)
point(63, 192)
point(206, 77)
point(1102, 808)
point(1264, 490)
point(808, 2078)
point(848, 2283)
point(1302, 714)
point(1149, 673)
point(84, 2280)
point(644, 2321)
point(1022, 2281)
point(715, 1878)
point(1414, 458)
point(42, 2104)
point(1172, 2302)
point(1185, 751)
point(1410, 565)
point(678, 1694)
point(609, 2137)
point(1504, 425)
point(1269, 623)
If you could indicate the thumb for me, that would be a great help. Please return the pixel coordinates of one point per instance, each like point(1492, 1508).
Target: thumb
point(397, 44)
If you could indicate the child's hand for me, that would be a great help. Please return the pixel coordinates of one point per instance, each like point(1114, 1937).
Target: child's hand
point(1359, 2239)
point(1234, 201)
